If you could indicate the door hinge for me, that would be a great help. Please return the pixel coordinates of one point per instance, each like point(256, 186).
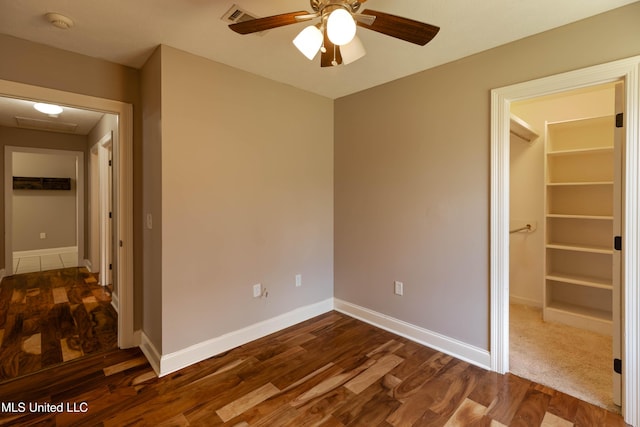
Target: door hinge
point(110, 215)
point(110, 266)
point(617, 243)
point(617, 366)
point(619, 120)
point(110, 163)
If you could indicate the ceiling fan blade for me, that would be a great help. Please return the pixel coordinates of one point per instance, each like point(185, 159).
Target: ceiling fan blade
point(365, 19)
point(401, 28)
point(275, 21)
point(331, 53)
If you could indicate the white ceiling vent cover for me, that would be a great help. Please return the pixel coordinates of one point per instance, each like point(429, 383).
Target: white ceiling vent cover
point(237, 14)
point(47, 125)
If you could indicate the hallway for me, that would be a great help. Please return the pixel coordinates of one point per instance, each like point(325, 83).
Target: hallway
point(51, 317)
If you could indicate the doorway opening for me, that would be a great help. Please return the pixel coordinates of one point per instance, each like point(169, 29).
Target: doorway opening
point(628, 71)
point(563, 269)
point(44, 207)
point(122, 193)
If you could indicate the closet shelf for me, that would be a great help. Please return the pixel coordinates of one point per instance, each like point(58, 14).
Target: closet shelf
point(579, 310)
point(577, 151)
point(522, 129)
point(580, 248)
point(578, 183)
point(573, 216)
point(589, 282)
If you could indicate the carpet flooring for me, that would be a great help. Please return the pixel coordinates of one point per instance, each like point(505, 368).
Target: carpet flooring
point(572, 360)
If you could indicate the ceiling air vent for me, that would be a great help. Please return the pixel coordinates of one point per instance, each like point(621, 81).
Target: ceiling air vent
point(46, 125)
point(237, 14)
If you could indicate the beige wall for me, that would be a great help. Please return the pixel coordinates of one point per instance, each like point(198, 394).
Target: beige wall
point(526, 192)
point(40, 65)
point(247, 197)
point(412, 176)
point(32, 139)
point(52, 212)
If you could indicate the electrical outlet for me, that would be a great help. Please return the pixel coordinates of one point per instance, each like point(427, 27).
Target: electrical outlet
point(298, 280)
point(257, 290)
point(43, 235)
point(398, 288)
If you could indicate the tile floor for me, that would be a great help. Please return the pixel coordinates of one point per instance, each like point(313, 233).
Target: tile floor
point(30, 264)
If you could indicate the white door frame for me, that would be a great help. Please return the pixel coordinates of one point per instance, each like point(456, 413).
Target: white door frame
point(8, 198)
point(123, 188)
point(105, 147)
point(501, 98)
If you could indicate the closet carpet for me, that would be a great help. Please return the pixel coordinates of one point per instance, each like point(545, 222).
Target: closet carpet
point(572, 360)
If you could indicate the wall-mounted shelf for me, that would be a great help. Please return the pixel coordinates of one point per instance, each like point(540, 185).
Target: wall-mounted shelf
point(40, 183)
point(522, 129)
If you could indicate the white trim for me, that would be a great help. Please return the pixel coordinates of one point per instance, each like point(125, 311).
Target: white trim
point(451, 346)
point(629, 70)
point(105, 145)
point(168, 363)
point(115, 302)
point(123, 193)
point(2, 273)
point(151, 353)
point(525, 301)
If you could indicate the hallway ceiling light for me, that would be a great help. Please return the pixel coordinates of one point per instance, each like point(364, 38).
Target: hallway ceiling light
point(60, 21)
point(50, 109)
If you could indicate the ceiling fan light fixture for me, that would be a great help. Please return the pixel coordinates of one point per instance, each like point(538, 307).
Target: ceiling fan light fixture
point(341, 28)
point(309, 41)
point(352, 51)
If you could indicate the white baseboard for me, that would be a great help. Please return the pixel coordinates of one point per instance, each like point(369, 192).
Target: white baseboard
point(450, 346)
point(115, 302)
point(151, 353)
point(88, 265)
point(43, 252)
point(524, 301)
point(2, 273)
point(168, 363)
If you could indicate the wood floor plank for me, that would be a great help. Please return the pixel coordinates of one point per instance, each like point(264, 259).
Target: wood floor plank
point(369, 408)
point(372, 374)
point(247, 401)
point(337, 372)
point(46, 303)
point(532, 409)
point(511, 392)
point(469, 413)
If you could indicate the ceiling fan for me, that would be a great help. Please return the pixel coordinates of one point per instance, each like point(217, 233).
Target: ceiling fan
point(335, 35)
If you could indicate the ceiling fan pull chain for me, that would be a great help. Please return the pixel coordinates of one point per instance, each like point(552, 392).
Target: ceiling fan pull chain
point(334, 62)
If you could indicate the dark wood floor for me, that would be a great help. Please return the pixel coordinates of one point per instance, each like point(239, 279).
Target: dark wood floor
point(331, 371)
point(51, 317)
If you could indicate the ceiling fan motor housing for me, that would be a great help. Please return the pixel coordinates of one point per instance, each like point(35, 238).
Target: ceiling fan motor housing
point(326, 6)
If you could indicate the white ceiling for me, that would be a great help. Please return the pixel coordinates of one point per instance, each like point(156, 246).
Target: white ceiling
point(13, 113)
point(127, 32)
